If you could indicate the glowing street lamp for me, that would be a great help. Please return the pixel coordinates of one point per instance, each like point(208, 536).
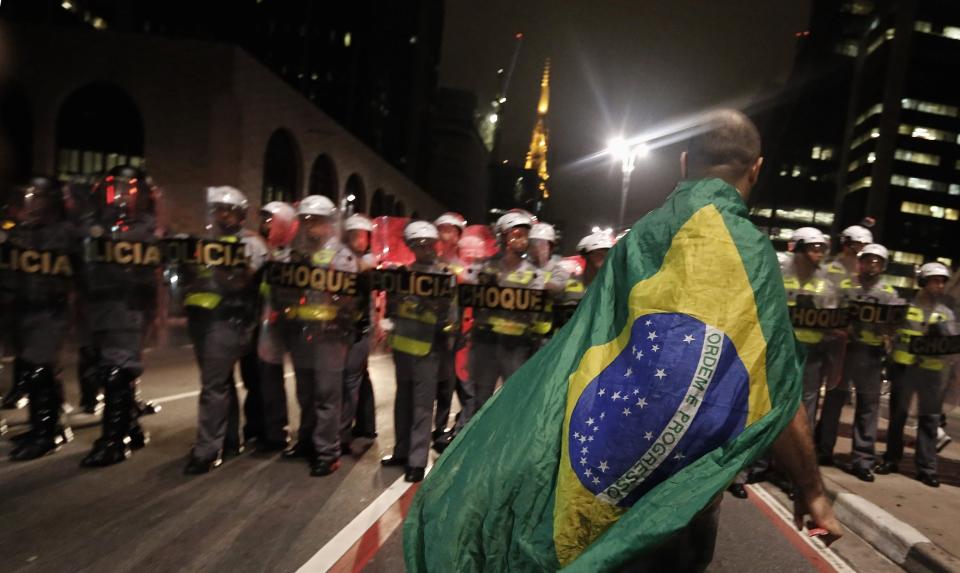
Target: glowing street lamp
point(626, 152)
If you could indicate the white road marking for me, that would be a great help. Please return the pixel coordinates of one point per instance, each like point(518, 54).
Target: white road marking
point(783, 513)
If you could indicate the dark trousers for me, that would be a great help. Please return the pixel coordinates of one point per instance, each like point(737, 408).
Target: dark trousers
point(862, 370)
point(926, 386)
point(253, 409)
point(273, 394)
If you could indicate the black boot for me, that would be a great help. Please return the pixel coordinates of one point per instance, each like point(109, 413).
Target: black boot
point(18, 395)
point(46, 434)
point(114, 445)
point(139, 437)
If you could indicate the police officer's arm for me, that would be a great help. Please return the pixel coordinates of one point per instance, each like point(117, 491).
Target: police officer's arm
point(793, 452)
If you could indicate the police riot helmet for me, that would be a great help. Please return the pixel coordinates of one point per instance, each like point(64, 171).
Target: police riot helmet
point(595, 241)
point(124, 193)
point(875, 249)
point(932, 269)
point(543, 231)
point(35, 201)
point(512, 219)
point(806, 236)
point(451, 218)
point(419, 231)
point(316, 206)
point(358, 222)
point(856, 234)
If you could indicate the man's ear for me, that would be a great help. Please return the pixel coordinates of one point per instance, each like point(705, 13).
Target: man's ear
point(683, 165)
point(754, 174)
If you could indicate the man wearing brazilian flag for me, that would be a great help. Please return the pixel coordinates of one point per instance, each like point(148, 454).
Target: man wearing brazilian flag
point(609, 449)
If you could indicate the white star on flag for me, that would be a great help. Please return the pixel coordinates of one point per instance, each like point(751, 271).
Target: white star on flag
point(634, 348)
point(603, 466)
point(656, 348)
point(651, 335)
point(584, 439)
point(576, 435)
point(603, 415)
point(660, 374)
point(588, 472)
point(596, 428)
point(589, 421)
point(688, 338)
point(648, 323)
point(639, 355)
point(626, 411)
point(596, 481)
point(628, 373)
point(616, 396)
point(648, 435)
point(679, 456)
point(583, 461)
point(601, 392)
point(636, 391)
point(642, 402)
point(589, 439)
point(584, 450)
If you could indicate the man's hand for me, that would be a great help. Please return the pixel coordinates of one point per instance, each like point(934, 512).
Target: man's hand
point(821, 516)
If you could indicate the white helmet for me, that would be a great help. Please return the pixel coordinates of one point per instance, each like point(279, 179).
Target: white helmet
point(594, 241)
point(316, 205)
point(934, 270)
point(808, 236)
point(875, 249)
point(419, 230)
point(515, 218)
point(451, 218)
point(227, 195)
point(358, 222)
point(280, 208)
point(856, 234)
point(544, 231)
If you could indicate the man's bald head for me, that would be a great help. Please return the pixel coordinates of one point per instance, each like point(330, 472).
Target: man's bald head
point(728, 148)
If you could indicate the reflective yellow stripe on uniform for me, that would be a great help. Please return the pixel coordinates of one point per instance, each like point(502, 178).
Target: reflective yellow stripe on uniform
point(509, 327)
point(322, 257)
point(408, 310)
point(312, 312)
point(901, 354)
point(805, 335)
point(207, 300)
point(574, 285)
point(520, 277)
point(409, 345)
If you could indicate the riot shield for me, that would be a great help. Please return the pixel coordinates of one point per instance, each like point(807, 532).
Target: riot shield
point(386, 242)
point(476, 244)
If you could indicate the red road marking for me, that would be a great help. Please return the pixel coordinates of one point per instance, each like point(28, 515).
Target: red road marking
point(361, 552)
point(793, 536)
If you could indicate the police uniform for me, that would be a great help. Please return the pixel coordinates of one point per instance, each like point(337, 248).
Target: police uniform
point(37, 294)
point(355, 367)
point(816, 291)
point(317, 329)
point(862, 368)
point(270, 352)
point(221, 307)
point(501, 340)
point(447, 381)
point(422, 333)
point(555, 278)
point(919, 375)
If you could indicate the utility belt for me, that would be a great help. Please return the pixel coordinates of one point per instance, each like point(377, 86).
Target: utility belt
point(485, 333)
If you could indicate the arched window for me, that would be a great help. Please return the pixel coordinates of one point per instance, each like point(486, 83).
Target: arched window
point(281, 168)
point(98, 127)
point(354, 195)
point(377, 206)
point(399, 209)
point(16, 132)
point(323, 178)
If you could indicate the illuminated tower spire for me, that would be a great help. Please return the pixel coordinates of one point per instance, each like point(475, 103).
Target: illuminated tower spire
point(537, 155)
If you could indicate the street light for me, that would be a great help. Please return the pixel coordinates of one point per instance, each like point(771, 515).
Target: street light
point(626, 152)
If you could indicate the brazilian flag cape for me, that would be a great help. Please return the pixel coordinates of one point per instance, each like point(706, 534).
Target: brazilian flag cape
point(677, 370)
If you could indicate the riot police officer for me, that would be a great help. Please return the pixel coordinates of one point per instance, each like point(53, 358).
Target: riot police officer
point(852, 240)
point(357, 229)
point(594, 248)
point(862, 367)
point(922, 375)
point(543, 240)
point(318, 327)
point(450, 226)
point(36, 258)
point(277, 227)
point(421, 328)
point(221, 312)
point(119, 297)
point(808, 286)
point(501, 339)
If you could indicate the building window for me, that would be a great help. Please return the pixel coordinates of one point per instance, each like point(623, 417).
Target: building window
point(929, 107)
point(797, 171)
point(821, 153)
point(860, 184)
point(935, 211)
point(887, 35)
point(898, 281)
point(848, 48)
point(916, 157)
point(928, 133)
point(872, 134)
point(347, 39)
point(802, 215)
point(954, 189)
point(782, 234)
point(872, 110)
point(823, 218)
point(815, 152)
point(761, 212)
point(918, 183)
point(906, 258)
point(951, 32)
point(921, 26)
point(946, 260)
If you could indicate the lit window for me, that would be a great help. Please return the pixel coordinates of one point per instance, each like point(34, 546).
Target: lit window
point(783, 172)
point(921, 26)
point(916, 157)
point(906, 258)
point(347, 39)
point(783, 234)
point(413, 40)
point(815, 153)
point(954, 189)
point(860, 184)
point(927, 133)
point(889, 34)
point(803, 215)
point(918, 183)
point(848, 48)
point(929, 107)
point(946, 260)
point(796, 171)
point(823, 218)
point(951, 32)
point(935, 211)
point(854, 164)
point(897, 281)
point(761, 212)
point(826, 154)
point(871, 157)
point(814, 178)
point(872, 110)
point(872, 134)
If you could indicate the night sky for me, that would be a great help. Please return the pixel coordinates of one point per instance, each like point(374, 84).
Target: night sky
point(618, 66)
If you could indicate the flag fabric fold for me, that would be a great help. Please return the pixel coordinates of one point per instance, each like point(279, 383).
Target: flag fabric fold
point(679, 367)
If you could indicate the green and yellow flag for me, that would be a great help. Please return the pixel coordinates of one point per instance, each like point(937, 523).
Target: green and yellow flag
point(678, 369)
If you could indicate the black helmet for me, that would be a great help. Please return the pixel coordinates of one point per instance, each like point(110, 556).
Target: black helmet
point(36, 201)
point(125, 193)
